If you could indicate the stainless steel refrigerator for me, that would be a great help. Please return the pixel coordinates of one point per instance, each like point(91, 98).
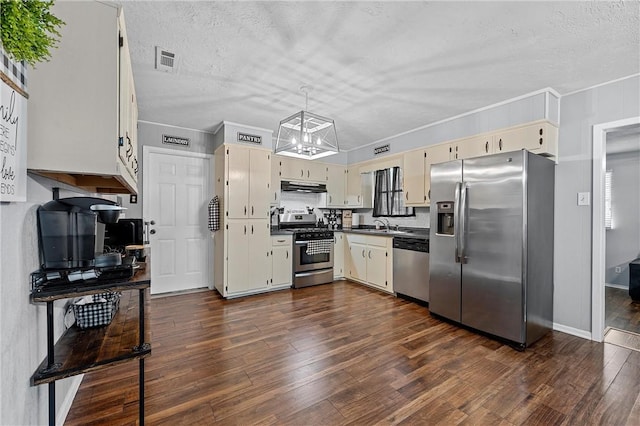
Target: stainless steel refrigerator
point(492, 244)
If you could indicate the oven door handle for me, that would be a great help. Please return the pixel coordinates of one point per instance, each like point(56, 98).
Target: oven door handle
point(301, 243)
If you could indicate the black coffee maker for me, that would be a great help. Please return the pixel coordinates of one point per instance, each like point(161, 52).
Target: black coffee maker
point(67, 230)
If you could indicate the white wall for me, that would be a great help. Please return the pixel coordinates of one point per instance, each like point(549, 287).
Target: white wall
point(150, 134)
point(623, 241)
point(23, 326)
point(572, 249)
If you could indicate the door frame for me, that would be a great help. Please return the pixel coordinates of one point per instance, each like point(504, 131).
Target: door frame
point(598, 240)
point(146, 152)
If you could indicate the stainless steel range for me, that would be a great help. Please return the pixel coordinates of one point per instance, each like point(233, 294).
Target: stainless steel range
point(312, 251)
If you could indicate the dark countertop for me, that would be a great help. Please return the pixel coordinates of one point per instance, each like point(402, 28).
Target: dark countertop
point(421, 233)
point(276, 231)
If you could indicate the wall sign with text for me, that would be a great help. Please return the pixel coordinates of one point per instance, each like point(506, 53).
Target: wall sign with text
point(13, 133)
point(381, 149)
point(175, 140)
point(245, 137)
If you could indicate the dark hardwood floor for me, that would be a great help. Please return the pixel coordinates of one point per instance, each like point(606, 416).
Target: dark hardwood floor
point(621, 311)
point(346, 354)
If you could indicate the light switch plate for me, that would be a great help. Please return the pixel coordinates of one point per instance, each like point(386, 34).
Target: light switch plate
point(584, 198)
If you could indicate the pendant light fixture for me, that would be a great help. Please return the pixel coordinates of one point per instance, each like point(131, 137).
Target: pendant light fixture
point(307, 135)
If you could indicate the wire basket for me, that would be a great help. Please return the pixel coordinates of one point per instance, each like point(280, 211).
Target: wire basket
point(98, 313)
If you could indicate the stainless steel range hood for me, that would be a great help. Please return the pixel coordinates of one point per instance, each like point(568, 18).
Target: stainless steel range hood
point(303, 186)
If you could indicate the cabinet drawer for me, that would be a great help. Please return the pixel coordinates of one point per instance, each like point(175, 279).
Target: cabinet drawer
point(357, 238)
point(281, 240)
point(378, 241)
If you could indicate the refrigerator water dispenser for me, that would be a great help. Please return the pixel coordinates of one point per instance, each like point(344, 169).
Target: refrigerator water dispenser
point(444, 210)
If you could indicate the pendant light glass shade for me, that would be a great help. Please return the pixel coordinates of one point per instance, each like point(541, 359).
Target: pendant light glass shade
point(307, 135)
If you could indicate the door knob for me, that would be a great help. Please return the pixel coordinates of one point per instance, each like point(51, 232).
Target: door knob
point(153, 231)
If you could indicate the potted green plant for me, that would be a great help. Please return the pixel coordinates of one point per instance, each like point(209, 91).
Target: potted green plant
point(28, 30)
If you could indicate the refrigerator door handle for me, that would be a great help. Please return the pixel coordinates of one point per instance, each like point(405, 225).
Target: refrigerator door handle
point(463, 222)
point(456, 220)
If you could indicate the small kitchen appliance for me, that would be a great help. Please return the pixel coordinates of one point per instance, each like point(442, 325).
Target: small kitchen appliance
point(71, 238)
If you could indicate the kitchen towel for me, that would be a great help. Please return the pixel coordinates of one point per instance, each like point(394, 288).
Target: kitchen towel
point(319, 247)
point(214, 214)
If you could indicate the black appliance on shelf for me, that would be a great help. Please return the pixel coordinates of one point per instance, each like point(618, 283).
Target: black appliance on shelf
point(70, 241)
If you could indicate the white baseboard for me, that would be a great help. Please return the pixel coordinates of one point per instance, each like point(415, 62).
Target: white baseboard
point(621, 287)
point(572, 331)
point(68, 400)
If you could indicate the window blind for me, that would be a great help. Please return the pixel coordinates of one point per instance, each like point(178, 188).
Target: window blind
point(608, 215)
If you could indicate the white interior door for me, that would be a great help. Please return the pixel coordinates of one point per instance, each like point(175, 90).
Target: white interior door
point(177, 190)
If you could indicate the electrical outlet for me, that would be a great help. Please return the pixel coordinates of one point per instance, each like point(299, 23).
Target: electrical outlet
point(584, 198)
point(618, 269)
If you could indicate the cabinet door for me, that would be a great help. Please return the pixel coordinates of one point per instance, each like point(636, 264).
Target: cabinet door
point(377, 266)
point(237, 249)
point(539, 138)
point(338, 255)
point(274, 194)
point(315, 172)
point(292, 169)
point(258, 261)
point(358, 266)
point(354, 189)
point(473, 147)
point(282, 266)
point(434, 155)
point(335, 185)
point(259, 184)
point(413, 178)
point(237, 172)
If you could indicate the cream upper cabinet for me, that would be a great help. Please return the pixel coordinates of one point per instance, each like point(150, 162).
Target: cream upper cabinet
point(336, 183)
point(338, 255)
point(417, 173)
point(475, 146)
point(434, 154)
point(301, 170)
point(539, 138)
point(82, 126)
point(354, 187)
point(248, 179)
point(281, 252)
point(274, 195)
point(413, 184)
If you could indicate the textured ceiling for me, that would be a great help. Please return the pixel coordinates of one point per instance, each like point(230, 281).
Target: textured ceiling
point(376, 68)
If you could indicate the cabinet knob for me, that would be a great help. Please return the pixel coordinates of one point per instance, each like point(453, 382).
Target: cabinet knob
point(287, 252)
point(369, 254)
point(251, 210)
point(486, 147)
point(540, 141)
point(245, 210)
point(362, 252)
point(500, 144)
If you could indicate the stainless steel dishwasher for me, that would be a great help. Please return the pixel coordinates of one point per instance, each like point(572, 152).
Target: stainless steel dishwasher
point(411, 267)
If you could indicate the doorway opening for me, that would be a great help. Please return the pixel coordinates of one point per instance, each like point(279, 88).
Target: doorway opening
point(609, 303)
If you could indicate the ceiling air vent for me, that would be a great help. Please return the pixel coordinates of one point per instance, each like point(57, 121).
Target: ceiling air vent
point(165, 60)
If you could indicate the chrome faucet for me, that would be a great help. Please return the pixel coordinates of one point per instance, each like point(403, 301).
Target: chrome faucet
point(386, 225)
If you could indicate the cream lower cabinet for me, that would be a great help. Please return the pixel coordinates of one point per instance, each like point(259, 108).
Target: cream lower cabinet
point(281, 261)
point(247, 266)
point(338, 255)
point(370, 260)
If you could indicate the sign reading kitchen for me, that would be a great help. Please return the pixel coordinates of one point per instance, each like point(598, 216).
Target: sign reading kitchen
point(13, 145)
point(381, 149)
point(245, 137)
point(175, 140)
